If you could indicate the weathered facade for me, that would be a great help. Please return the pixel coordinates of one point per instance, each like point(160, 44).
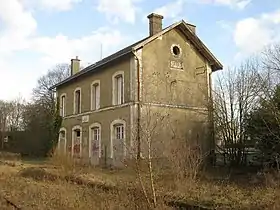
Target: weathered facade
point(161, 84)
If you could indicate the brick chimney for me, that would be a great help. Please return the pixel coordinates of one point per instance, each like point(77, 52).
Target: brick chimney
point(155, 23)
point(75, 65)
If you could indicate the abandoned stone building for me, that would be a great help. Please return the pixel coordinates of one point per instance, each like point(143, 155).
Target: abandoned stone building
point(165, 78)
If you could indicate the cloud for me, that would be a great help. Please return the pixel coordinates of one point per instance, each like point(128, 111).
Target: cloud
point(252, 34)
point(119, 10)
point(172, 9)
point(53, 5)
point(18, 23)
point(61, 48)
point(234, 4)
point(18, 39)
point(59, 4)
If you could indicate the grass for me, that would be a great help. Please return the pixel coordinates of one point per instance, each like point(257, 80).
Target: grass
point(32, 188)
point(61, 184)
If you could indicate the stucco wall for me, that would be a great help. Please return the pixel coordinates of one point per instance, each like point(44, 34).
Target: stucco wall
point(105, 77)
point(105, 118)
point(163, 84)
point(107, 112)
point(180, 94)
point(169, 127)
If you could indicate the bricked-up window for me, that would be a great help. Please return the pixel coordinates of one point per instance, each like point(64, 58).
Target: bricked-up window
point(118, 90)
point(95, 96)
point(63, 105)
point(77, 101)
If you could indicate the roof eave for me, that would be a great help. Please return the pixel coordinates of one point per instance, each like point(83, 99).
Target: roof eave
point(88, 69)
point(216, 64)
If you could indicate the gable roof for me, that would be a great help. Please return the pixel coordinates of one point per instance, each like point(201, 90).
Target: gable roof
point(181, 25)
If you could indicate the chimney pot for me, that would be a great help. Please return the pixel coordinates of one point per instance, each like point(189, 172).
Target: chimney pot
point(155, 23)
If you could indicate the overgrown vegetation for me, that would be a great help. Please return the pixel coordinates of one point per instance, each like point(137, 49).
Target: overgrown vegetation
point(60, 185)
point(246, 103)
point(33, 127)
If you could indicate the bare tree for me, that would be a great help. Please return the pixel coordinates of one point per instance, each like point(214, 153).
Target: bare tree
point(42, 92)
point(40, 116)
point(271, 57)
point(235, 94)
point(15, 118)
point(4, 112)
point(263, 122)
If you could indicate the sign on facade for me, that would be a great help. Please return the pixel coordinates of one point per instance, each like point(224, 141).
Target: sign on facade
point(85, 118)
point(176, 65)
point(6, 139)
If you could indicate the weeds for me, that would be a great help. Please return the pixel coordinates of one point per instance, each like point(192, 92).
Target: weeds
point(51, 186)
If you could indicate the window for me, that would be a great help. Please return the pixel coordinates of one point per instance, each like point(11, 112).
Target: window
point(95, 95)
point(62, 140)
point(78, 132)
point(77, 101)
point(176, 50)
point(118, 139)
point(95, 140)
point(119, 132)
point(62, 105)
point(96, 133)
point(76, 141)
point(62, 134)
point(118, 88)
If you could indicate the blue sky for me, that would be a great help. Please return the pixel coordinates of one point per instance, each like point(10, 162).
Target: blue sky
point(37, 34)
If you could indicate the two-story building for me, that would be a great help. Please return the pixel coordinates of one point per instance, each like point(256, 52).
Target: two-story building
point(159, 85)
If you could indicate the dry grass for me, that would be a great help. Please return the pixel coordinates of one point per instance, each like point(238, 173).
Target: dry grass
point(36, 188)
point(62, 184)
point(66, 186)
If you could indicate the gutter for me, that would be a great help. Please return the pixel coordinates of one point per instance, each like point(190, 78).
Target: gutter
point(138, 107)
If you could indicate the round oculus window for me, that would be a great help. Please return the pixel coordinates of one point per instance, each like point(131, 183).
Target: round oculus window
point(176, 50)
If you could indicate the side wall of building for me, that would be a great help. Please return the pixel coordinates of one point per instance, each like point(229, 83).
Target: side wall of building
point(175, 84)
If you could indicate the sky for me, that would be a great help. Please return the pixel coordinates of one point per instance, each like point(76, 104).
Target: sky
point(35, 35)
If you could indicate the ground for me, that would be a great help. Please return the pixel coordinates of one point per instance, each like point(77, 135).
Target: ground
point(56, 185)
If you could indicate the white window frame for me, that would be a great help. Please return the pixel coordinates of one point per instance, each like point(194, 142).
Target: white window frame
point(119, 131)
point(112, 137)
point(92, 126)
point(76, 127)
point(62, 106)
point(65, 139)
point(115, 99)
point(95, 98)
point(74, 104)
